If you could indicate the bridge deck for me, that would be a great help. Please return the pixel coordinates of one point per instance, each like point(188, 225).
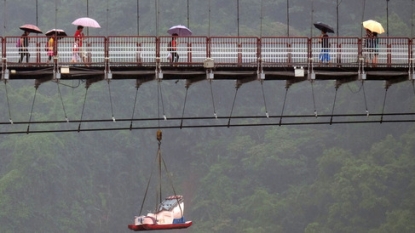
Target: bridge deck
point(244, 59)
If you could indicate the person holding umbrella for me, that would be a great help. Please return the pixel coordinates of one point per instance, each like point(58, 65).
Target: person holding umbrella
point(50, 47)
point(173, 49)
point(24, 43)
point(324, 40)
point(77, 47)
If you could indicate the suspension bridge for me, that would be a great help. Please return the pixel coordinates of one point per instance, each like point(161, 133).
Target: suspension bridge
point(243, 59)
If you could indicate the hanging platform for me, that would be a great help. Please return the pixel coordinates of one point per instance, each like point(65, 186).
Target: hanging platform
point(149, 227)
point(169, 216)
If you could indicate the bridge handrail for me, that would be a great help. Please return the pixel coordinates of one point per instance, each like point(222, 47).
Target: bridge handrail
point(224, 50)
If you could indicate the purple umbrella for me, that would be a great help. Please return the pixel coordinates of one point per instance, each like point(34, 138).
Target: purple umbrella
point(180, 30)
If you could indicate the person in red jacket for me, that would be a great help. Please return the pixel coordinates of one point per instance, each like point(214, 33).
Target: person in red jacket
point(173, 49)
point(78, 51)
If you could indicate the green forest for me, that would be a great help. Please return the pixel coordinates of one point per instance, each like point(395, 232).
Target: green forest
point(339, 178)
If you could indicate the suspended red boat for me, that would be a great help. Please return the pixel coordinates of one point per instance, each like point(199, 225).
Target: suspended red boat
point(169, 216)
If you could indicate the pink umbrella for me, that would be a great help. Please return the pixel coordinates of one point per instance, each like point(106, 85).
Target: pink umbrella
point(86, 22)
point(30, 28)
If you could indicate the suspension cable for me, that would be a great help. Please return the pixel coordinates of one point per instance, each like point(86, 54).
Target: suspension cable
point(314, 99)
point(8, 102)
point(161, 99)
point(283, 106)
point(184, 106)
point(364, 95)
point(83, 107)
point(383, 107)
point(213, 100)
point(263, 97)
point(334, 104)
point(112, 110)
point(135, 102)
point(63, 106)
point(233, 105)
point(31, 111)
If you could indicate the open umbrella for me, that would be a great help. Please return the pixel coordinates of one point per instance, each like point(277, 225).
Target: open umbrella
point(86, 22)
point(373, 26)
point(180, 30)
point(30, 28)
point(324, 27)
point(58, 32)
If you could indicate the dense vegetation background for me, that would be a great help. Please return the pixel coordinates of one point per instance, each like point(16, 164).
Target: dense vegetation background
point(324, 178)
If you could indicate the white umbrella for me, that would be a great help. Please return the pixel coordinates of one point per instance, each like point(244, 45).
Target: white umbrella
point(180, 30)
point(86, 22)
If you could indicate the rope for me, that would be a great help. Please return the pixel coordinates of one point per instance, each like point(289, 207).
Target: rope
point(213, 100)
point(63, 106)
point(263, 97)
point(8, 103)
point(135, 102)
point(334, 104)
point(31, 111)
point(314, 99)
point(283, 106)
point(112, 110)
point(171, 183)
point(159, 163)
point(148, 185)
point(383, 107)
point(83, 107)
point(184, 106)
point(233, 104)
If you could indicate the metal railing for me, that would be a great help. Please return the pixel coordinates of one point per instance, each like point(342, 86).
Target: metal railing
point(225, 51)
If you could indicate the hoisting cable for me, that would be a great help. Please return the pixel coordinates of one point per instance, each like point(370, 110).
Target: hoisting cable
point(283, 106)
point(171, 183)
point(151, 173)
point(314, 99)
point(31, 111)
point(334, 104)
point(213, 100)
point(263, 97)
point(383, 107)
point(159, 137)
point(112, 110)
point(364, 95)
point(83, 107)
point(8, 102)
point(63, 106)
point(184, 106)
point(135, 102)
point(233, 105)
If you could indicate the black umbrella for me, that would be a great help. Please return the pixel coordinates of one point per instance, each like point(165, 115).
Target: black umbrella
point(324, 27)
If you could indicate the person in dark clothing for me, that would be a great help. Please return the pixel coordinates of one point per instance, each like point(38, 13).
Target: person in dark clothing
point(324, 40)
point(24, 43)
point(375, 48)
point(370, 46)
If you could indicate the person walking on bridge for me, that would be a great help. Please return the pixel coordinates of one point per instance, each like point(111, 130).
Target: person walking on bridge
point(173, 49)
point(23, 44)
